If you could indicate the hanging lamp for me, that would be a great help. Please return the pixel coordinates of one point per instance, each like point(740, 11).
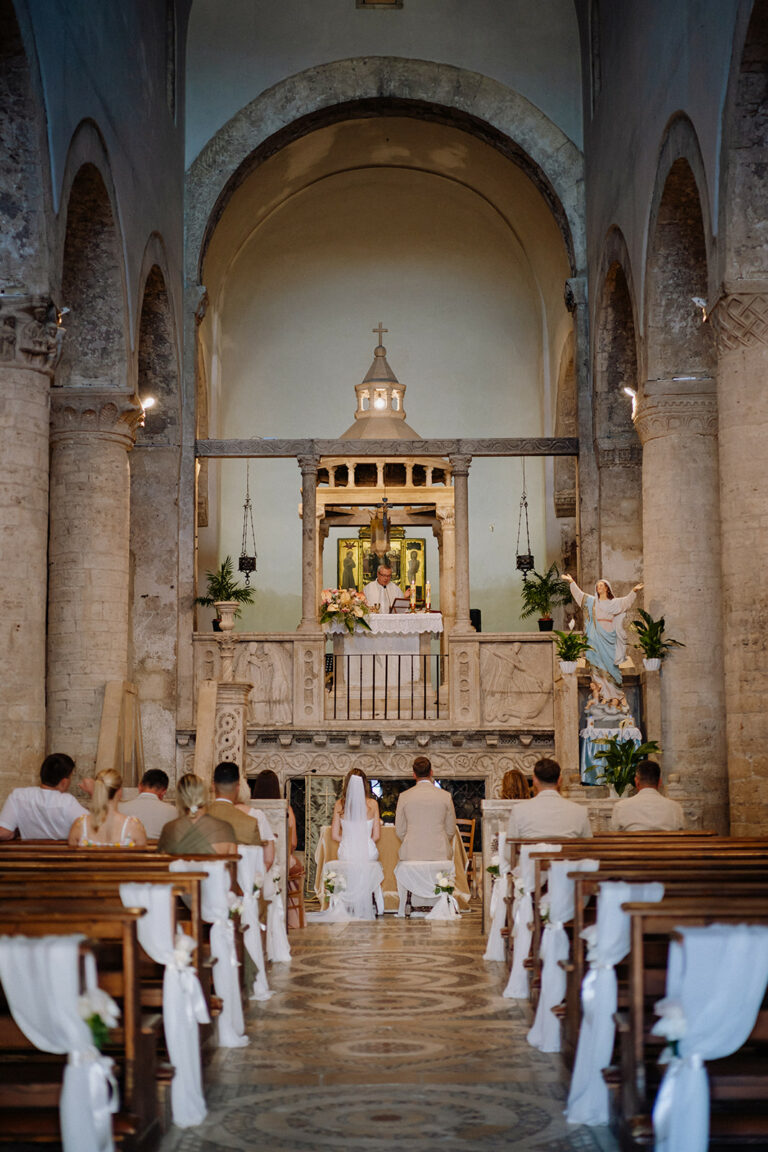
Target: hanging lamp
point(247, 561)
point(524, 560)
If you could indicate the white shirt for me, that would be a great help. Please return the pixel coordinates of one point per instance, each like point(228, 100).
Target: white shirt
point(153, 812)
point(382, 596)
point(548, 814)
point(648, 811)
point(40, 813)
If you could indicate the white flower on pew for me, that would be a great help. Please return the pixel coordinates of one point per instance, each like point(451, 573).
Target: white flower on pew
point(520, 888)
point(235, 905)
point(333, 882)
point(100, 1013)
point(544, 911)
point(183, 949)
point(444, 882)
point(494, 868)
point(672, 1025)
point(258, 883)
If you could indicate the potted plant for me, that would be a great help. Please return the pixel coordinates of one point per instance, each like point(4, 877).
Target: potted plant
point(570, 646)
point(651, 640)
point(542, 593)
point(225, 595)
point(620, 759)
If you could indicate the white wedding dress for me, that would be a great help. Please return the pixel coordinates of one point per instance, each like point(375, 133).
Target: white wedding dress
point(359, 873)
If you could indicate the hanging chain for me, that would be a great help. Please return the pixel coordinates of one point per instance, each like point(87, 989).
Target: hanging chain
point(524, 561)
point(247, 563)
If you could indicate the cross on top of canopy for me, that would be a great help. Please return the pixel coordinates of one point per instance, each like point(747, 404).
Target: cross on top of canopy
point(380, 414)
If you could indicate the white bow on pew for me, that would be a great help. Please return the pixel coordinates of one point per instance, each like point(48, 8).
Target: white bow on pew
point(184, 1007)
point(545, 1033)
point(523, 882)
point(226, 980)
point(41, 980)
point(278, 948)
point(716, 981)
point(494, 949)
point(609, 943)
point(250, 871)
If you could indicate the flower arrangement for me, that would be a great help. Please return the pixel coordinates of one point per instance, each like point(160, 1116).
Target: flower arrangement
point(346, 606)
point(333, 882)
point(444, 883)
point(235, 905)
point(100, 1013)
point(672, 1025)
point(544, 911)
point(493, 868)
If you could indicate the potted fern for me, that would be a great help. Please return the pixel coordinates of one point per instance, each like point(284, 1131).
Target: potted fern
point(620, 759)
point(225, 595)
point(570, 646)
point(543, 592)
point(651, 640)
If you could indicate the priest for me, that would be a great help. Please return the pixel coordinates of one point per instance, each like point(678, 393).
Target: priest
point(381, 593)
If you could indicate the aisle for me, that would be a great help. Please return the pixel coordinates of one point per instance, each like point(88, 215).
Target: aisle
point(382, 1036)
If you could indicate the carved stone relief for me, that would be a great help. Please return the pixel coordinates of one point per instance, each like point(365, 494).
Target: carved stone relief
point(516, 682)
point(268, 667)
point(740, 321)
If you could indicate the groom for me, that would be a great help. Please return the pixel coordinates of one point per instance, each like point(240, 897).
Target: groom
point(425, 820)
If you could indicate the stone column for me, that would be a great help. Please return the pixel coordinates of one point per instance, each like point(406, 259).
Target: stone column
point(88, 562)
point(460, 467)
point(308, 466)
point(447, 559)
point(29, 348)
point(587, 472)
point(681, 548)
point(741, 328)
point(231, 724)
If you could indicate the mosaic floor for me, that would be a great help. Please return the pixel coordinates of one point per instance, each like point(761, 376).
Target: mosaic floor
point(382, 1036)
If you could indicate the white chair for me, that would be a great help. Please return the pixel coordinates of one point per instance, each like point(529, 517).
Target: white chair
point(416, 880)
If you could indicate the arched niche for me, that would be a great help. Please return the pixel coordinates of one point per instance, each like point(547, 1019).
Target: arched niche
point(619, 454)
point(461, 251)
point(154, 462)
point(92, 288)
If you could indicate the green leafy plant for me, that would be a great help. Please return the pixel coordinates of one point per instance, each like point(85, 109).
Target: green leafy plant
point(620, 759)
point(571, 645)
point(543, 592)
point(222, 585)
point(650, 637)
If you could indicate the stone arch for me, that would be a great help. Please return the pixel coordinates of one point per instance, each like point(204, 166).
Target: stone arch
point(155, 464)
point(677, 422)
point(23, 199)
point(380, 86)
point(618, 450)
point(740, 318)
point(93, 272)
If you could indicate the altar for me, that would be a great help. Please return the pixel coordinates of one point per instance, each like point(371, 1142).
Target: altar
point(391, 654)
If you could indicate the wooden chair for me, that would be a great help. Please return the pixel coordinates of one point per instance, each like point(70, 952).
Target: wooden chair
point(466, 830)
point(294, 897)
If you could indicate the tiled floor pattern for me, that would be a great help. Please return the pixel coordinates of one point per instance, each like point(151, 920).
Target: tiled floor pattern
point(387, 1036)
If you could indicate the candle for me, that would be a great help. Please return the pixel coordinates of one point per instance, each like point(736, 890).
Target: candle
point(428, 597)
point(413, 593)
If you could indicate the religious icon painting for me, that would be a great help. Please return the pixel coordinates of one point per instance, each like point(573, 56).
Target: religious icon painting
point(415, 566)
point(349, 572)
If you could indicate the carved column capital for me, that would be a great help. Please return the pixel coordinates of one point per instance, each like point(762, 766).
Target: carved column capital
point(446, 516)
point(740, 320)
point(308, 464)
point(105, 415)
point(30, 333)
point(460, 465)
point(659, 416)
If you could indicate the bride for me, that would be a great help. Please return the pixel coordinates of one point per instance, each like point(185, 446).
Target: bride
point(356, 828)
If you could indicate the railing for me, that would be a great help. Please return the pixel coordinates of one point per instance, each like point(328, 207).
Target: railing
point(386, 687)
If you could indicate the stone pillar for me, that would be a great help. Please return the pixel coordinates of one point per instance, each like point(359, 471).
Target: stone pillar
point(460, 467)
point(29, 349)
point(309, 606)
point(587, 473)
point(88, 562)
point(447, 558)
point(741, 328)
point(231, 723)
point(681, 548)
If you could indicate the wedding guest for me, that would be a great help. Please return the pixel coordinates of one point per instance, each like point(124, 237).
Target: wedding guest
point(45, 811)
point(105, 826)
point(194, 832)
point(514, 786)
point(266, 786)
point(226, 786)
point(648, 811)
point(150, 806)
point(547, 813)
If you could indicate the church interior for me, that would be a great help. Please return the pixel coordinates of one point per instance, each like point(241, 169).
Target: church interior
point(296, 294)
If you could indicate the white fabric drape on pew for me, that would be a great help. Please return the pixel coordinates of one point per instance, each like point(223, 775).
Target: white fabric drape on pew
point(494, 949)
point(226, 980)
point(545, 1033)
point(419, 877)
point(523, 881)
point(278, 948)
point(250, 870)
point(184, 1007)
point(609, 943)
point(41, 980)
point(716, 981)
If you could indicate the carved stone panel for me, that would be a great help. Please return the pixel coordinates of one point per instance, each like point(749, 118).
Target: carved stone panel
point(516, 685)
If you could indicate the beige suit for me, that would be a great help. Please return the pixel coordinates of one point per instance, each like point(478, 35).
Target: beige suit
point(425, 822)
point(648, 811)
point(548, 814)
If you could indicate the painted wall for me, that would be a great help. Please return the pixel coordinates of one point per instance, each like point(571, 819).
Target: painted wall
point(238, 50)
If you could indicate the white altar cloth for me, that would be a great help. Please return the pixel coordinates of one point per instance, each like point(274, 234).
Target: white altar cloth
point(392, 634)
